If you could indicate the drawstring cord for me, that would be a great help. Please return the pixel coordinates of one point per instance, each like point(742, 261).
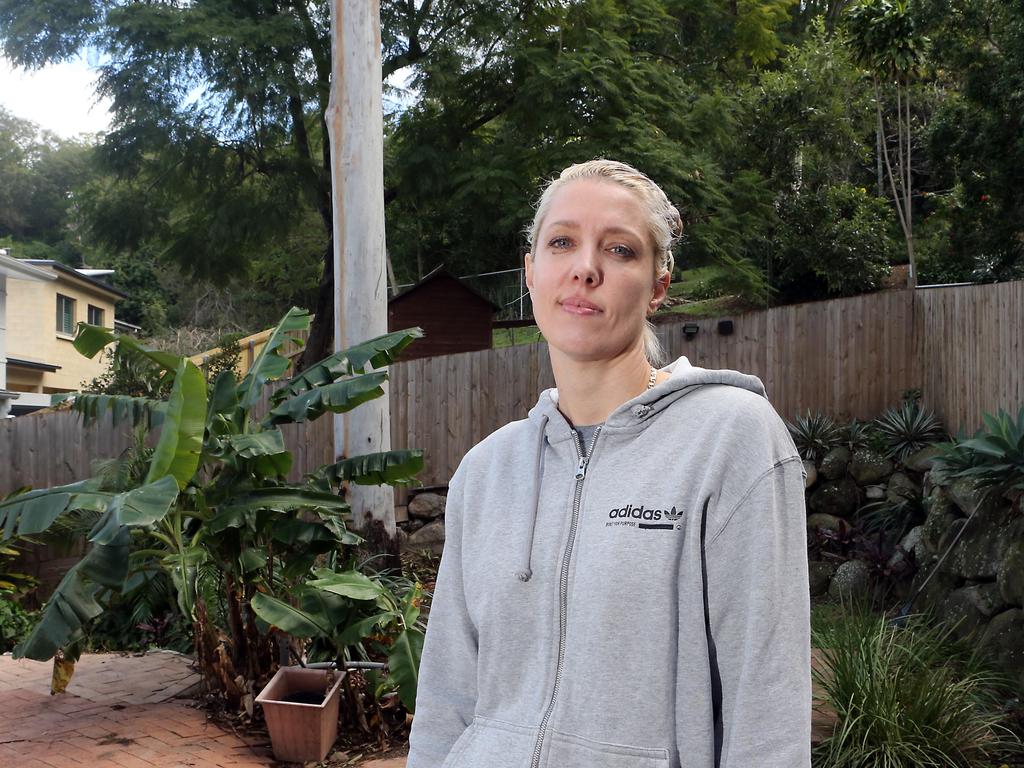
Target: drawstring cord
point(525, 573)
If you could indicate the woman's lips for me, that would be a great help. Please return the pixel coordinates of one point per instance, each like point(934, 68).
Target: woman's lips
point(580, 307)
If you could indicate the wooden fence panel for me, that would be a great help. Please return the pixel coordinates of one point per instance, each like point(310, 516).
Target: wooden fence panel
point(963, 346)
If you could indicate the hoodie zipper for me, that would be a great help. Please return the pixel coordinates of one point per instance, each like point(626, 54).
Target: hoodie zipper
point(563, 589)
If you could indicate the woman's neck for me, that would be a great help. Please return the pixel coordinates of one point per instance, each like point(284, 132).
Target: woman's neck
point(588, 391)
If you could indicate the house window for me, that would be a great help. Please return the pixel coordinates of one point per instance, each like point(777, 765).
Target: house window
point(95, 316)
point(65, 314)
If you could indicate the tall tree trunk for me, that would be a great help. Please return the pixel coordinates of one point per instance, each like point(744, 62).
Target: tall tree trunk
point(355, 123)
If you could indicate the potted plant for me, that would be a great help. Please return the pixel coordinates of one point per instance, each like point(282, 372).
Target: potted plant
point(301, 708)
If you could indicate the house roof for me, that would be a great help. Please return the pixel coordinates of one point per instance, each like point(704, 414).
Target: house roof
point(35, 365)
point(20, 270)
point(64, 269)
point(440, 272)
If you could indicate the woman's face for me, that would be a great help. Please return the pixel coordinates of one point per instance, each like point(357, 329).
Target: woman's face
point(591, 274)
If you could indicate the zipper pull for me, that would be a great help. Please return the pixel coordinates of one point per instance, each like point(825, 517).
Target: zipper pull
point(581, 468)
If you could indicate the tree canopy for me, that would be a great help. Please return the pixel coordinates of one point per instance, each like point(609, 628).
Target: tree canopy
point(216, 161)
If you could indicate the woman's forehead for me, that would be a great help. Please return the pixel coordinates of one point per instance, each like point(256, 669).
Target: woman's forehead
point(595, 201)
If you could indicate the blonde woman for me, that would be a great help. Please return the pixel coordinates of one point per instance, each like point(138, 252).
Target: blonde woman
point(624, 581)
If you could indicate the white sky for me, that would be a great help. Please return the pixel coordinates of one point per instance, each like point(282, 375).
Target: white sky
point(60, 97)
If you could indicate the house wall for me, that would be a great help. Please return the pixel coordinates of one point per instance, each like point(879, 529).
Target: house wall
point(32, 333)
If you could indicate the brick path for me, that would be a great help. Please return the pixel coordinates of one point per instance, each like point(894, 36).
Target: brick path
point(118, 712)
point(121, 712)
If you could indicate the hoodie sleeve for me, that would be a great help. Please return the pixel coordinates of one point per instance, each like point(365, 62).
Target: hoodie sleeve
point(447, 690)
point(757, 609)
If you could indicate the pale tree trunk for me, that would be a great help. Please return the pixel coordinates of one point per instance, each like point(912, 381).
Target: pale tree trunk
point(355, 123)
point(900, 179)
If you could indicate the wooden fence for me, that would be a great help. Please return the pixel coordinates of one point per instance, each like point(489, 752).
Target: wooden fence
point(963, 346)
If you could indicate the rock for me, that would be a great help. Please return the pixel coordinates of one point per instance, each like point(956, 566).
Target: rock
point(1004, 637)
point(980, 550)
point(852, 579)
point(941, 514)
point(825, 521)
point(875, 492)
point(427, 506)
point(986, 598)
point(1010, 575)
point(959, 611)
point(811, 473)
point(922, 460)
point(833, 466)
point(869, 467)
point(836, 497)
point(819, 574)
point(430, 536)
point(901, 488)
point(912, 539)
point(935, 591)
point(414, 525)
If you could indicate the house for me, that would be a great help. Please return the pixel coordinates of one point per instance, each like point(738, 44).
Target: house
point(13, 270)
point(453, 316)
point(45, 302)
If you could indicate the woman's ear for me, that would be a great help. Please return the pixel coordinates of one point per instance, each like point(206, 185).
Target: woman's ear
point(660, 292)
point(528, 265)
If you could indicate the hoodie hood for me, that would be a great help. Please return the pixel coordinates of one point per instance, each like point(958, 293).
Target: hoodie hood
point(552, 427)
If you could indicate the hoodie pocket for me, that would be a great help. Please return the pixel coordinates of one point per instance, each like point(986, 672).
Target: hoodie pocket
point(492, 744)
point(568, 751)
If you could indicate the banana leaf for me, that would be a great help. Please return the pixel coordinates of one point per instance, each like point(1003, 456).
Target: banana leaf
point(339, 397)
point(351, 584)
point(135, 410)
point(181, 437)
point(289, 618)
point(377, 352)
point(269, 365)
point(73, 603)
point(33, 512)
point(140, 506)
point(404, 665)
point(90, 339)
point(385, 467)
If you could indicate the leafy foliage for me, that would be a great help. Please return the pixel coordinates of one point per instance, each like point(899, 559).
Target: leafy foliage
point(212, 497)
point(907, 429)
point(993, 460)
point(906, 697)
point(814, 435)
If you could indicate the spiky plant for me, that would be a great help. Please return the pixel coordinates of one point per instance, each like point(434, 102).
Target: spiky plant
point(993, 460)
point(907, 697)
point(907, 429)
point(814, 435)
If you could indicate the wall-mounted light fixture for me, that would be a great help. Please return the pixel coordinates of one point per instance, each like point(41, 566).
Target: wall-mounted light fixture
point(690, 330)
point(725, 327)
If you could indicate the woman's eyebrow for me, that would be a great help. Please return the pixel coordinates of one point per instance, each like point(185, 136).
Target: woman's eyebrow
point(613, 230)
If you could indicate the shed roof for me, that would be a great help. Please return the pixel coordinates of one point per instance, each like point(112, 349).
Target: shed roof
point(440, 272)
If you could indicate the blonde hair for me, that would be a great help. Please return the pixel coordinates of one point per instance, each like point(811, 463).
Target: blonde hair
point(664, 225)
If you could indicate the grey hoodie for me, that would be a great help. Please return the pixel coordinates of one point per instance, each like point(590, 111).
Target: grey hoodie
point(646, 607)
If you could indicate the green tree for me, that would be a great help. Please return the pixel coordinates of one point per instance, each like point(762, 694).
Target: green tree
point(885, 40)
point(40, 174)
point(975, 141)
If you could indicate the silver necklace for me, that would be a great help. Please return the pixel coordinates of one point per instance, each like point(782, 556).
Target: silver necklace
point(653, 378)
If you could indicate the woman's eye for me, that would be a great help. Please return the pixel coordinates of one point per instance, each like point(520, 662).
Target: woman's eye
point(559, 242)
point(623, 250)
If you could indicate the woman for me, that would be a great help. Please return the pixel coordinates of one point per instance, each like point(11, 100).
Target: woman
point(624, 580)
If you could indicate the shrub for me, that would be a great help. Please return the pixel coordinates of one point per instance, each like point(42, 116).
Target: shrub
point(906, 697)
point(993, 459)
point(15, 623)
point(907, 429)
point(814, 435)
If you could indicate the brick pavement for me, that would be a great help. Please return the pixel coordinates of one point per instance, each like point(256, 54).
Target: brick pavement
point(118, 712)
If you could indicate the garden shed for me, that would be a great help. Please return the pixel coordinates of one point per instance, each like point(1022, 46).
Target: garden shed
point(453, 316)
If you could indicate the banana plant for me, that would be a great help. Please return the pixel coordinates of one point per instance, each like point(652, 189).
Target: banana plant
point(345, 610)
point(215, 499)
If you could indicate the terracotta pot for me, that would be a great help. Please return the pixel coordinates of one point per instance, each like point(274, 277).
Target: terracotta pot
point(300, 730)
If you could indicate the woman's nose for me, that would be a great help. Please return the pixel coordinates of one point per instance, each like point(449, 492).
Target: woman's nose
point(585, 269)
